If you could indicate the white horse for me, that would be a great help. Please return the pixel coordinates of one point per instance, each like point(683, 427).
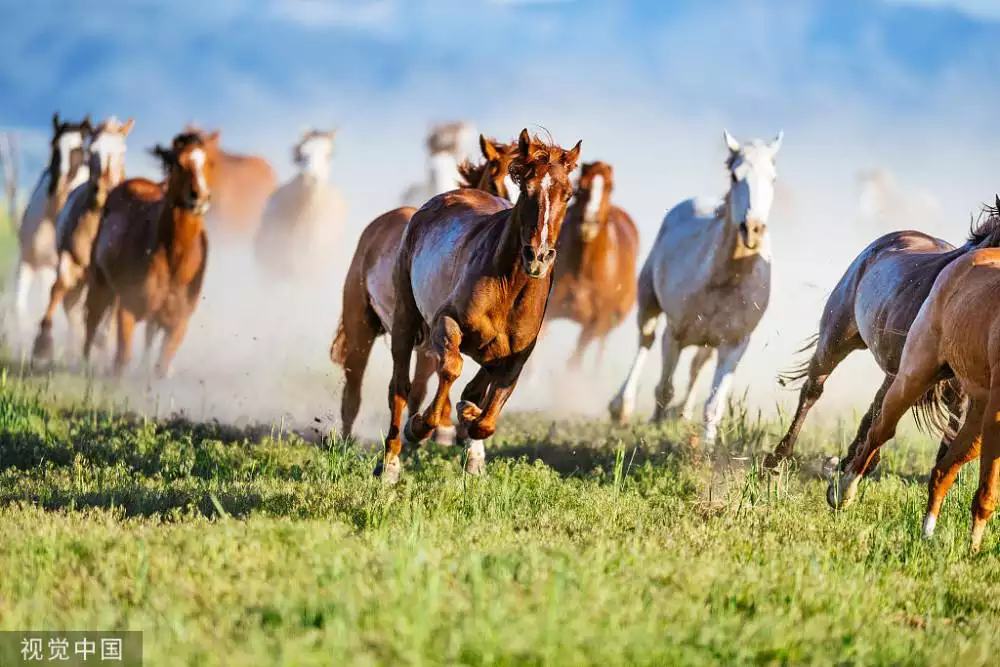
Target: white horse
point(709, 272)
point(68, 168)
point(446, 147)
point(303, 218)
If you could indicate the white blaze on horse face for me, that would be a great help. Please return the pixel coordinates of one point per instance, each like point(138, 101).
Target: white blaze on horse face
point(197, 156)
point(444, 174)
point(513, 192)
point(545, 206)
point(67, 143)
point(596, 195)
point(315, 154)
point(752, 192)
point(110, 149)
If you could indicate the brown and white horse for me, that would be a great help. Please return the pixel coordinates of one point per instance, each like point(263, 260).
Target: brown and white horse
point(240, 187)
point(151, 252)
point(68, 169)
point(594, 282)
point(956, 334)
point(76, 229)
point(369, 298)
point(303, 217)
point(473, 277)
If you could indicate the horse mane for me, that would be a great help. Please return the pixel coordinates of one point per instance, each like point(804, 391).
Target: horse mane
point(540, 151)
point(470, 173)
point(984, 230)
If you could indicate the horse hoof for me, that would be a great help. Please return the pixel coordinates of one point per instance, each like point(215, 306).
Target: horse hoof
point(445, 435)
point(412, 431)
point(475, 463)
point(389, 471)
point(42, 350)
point(619, 411)
point(468, 411)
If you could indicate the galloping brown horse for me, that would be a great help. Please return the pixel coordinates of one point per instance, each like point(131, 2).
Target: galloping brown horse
point(955, 334)
point(873, 307)
point(473, 277)
point(369, 298)
point(76, 228)
point(240, 187)
point(594, 282)
point(151, 251)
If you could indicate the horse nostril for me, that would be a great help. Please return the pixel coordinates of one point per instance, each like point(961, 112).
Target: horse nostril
point(548, 255)
point(529, 253)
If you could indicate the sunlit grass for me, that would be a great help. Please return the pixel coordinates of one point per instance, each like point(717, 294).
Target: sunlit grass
point(582, 545)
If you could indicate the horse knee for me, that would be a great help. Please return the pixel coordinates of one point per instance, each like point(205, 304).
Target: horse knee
point(812, 389)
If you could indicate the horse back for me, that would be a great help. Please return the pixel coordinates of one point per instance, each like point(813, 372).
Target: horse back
point(128, 224)
point(369, 279)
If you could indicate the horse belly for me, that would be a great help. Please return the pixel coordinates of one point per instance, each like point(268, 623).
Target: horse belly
point(382, 290)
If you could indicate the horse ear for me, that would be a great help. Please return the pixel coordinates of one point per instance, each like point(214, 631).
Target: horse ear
point(570, 158)
point(86, 125)
point(127, 127)
point(165, 155)
point(524, 144)
point(213, 138)
point(997, 203)
point(331, 134)
point(489, 150)
point(55, 122)
point(731, 143)
point(775, 145)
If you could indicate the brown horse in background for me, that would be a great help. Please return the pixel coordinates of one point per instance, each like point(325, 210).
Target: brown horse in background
point(240, 187)
point(77, 227)
point(151, 251)
point(473, 277)
point(369, 299)
point(594, 283)
point(873, 306)
point(493, 173)
point(955, 334)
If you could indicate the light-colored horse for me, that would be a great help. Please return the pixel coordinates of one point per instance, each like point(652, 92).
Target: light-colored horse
point(68, 168)
point(76, 228)
point(446, 148)
point(709, 272)
point(303, 217)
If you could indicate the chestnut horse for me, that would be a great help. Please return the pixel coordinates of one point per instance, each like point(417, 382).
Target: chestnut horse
point(493, 173)
point(68, 169)
point(241, 187)
point(594, 282)
point(303, 217)
point(955, 334)
point(872, 307)
point(473, 277)
point(369, 300)
point(76, 229)
point(151, 251)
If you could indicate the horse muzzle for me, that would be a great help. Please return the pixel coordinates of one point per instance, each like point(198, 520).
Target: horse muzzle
point(751, 233)
point(537, 263)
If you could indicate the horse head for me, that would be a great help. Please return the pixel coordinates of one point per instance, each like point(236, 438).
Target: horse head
point(313, 152)
point(751, 190)
point(542, 173)
point(68, 148)
point(593, 193)
point(190, 167)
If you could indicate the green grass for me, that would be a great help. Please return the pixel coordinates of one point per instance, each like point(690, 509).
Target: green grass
point(582, 545)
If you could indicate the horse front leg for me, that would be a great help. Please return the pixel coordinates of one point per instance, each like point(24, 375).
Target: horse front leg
point(481, 422)
point(172, 339)
point(715, 407)
point(446, 341)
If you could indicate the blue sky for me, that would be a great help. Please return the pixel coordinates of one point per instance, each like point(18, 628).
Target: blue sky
point(905, 85)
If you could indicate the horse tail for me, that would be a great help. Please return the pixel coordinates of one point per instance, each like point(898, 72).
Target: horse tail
point(338, 348)
point(796, 374)
point(932, 412)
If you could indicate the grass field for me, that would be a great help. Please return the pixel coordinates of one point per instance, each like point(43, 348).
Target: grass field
point(582, 545)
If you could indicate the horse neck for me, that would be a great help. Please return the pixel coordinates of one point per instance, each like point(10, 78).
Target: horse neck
point(177, 228)
point(731, 260)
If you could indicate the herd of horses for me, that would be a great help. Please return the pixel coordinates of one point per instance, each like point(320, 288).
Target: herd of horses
point(485, 253)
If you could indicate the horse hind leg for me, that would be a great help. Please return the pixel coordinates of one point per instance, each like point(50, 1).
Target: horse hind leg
point(830, 351)
point(648, 314)
point(444, 433)
point(984, 502)
point(964, 448)
point(670, 351)
point(446, 340)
